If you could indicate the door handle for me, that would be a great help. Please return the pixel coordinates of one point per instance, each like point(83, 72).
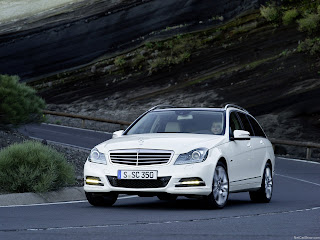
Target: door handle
point(261, 142)
point(249, 145)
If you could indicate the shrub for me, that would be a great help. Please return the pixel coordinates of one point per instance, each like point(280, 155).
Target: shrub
point(138, 61)
point(311, 46)
point(33, 167)
point(270, 13)
point(158, 64)
point(119, 61)
point(149, 45)
point(18, 102)
point(318, 9)
point(310, 23)
point(183, 57)
point(289, 16)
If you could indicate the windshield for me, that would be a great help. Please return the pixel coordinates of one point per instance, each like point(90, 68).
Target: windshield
point(180, 121)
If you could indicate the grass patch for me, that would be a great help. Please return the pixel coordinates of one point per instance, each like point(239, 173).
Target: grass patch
point(119, 61)
point(270, 13)
point(310, 23)
point(138, 62)
point(33, 167)
point(289, 16)
point(245, 28)
point(311, 46)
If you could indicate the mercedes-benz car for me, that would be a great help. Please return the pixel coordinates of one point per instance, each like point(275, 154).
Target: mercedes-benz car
point(203, 153)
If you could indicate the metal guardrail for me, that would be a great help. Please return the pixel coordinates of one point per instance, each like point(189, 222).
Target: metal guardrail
point(308, 145)
point(83, 118)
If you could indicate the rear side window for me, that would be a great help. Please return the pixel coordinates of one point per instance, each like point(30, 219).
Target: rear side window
point(234, 123)
point(256, 127)
point(245, 122)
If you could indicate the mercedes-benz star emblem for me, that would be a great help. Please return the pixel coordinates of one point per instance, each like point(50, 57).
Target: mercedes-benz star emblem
point(140, 141)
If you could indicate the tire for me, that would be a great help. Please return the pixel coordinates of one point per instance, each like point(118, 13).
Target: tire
point(218, 198)
point(264, 194)
point(167, 197)
point(101, 199)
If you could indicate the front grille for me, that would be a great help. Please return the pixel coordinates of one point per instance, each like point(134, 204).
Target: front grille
point(139, 157)
point(125, 183)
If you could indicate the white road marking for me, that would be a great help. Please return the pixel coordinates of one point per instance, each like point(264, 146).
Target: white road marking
point(59, 203)
point(298, 179)
point(170, 222)
point(298, 160)
point(81, 129)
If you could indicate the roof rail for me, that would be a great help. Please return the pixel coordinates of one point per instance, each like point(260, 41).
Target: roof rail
point(235, 106)
point(160, 106)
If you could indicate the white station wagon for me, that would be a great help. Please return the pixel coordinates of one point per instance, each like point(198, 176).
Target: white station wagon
point(203, 153)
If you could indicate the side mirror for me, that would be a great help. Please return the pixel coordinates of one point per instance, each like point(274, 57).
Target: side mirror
point(241, 135)
point(117, 134)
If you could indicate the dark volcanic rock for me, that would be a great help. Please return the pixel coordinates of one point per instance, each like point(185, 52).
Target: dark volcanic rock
point(55, 45)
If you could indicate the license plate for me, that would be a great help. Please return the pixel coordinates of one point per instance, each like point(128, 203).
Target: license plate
point(123, 174)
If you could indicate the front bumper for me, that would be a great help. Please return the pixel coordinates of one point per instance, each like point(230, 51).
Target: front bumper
point(175, 173)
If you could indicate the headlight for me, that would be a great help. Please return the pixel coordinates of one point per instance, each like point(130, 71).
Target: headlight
point(97, 157)
point(194, 156)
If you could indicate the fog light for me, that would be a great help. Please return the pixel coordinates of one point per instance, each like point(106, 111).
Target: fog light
point(94, 181)
point(190, 182)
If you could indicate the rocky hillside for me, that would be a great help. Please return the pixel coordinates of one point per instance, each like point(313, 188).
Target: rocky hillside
point(83, 31)
point(231, 55)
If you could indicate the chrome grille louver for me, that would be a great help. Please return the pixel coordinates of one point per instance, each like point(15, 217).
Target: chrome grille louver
point(139, 157)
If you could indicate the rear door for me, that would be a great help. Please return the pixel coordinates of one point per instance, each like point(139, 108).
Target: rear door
point(239, 153)
point(258, 145)
point(253, 144)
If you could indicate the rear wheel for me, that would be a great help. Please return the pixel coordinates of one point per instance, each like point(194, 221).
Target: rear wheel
point(101, 199)
point(264, 194)
point(220, 188)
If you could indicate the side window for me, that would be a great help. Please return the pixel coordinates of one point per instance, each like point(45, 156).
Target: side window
point(256, 128)
point(234, 123)
point(245, 123)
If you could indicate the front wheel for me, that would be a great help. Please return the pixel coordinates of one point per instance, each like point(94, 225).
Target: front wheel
point(101, 199)
point(220, 188)
point(264, 194)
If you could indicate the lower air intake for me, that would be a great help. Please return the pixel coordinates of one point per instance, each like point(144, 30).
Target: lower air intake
point(125, 183)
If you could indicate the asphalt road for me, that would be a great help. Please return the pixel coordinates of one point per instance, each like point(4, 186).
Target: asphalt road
point(81, 138)
point(293, 213)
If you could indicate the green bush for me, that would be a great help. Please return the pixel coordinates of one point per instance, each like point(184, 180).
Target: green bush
point(137, 61)
point(310, 23)
point(119, 61)
point(270, 13)
point(318, 9)
point(149, 45)
point(289, 16)
point(33, 167)
point(311, 46)
point(18, 102)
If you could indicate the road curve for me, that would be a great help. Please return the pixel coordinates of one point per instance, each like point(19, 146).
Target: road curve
point(74, 137)
point(293, 212)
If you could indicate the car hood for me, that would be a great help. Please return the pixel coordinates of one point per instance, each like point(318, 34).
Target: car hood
point(177, 142)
